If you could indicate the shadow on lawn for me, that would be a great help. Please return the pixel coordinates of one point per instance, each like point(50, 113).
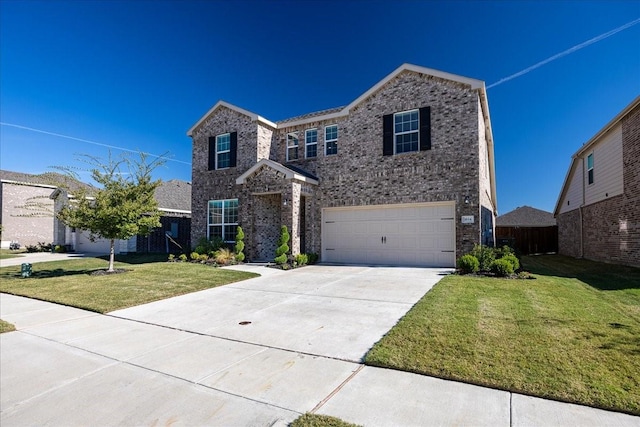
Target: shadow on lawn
point(606, 277)
point(145, 258)
point(45, 274)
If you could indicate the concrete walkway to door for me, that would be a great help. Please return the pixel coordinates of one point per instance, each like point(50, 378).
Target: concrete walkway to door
point(193, 359)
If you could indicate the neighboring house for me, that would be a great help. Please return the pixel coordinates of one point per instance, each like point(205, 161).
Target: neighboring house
point(528, 230)
point(403, 175)
point(598, 210)
point(27, 210)
point(174, 201)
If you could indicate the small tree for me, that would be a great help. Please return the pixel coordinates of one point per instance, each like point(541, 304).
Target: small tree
point(123, 206)
point(283, 248)
point(239, 244)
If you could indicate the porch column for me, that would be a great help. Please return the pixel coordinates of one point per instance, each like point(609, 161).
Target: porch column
point(291, 214)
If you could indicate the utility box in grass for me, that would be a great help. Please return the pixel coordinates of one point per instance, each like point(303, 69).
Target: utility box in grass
point(25, 269)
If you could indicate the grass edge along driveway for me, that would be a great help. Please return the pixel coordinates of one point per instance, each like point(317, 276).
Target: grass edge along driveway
point(573, 334)
point(147, 279)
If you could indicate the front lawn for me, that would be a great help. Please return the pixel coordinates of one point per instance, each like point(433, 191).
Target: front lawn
point(315, 420)
point(6, 253)
point(6, 327)
point(573, 334)
point(148, 279)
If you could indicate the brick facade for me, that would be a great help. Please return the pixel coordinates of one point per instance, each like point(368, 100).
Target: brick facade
point(358, 175)
point(630, 211)
point(569, 237)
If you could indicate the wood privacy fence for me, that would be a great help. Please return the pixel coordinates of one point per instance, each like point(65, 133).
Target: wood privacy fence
point(528, 240)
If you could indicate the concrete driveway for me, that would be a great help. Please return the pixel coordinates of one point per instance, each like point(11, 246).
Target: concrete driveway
point(337, 312)
point(188, 360)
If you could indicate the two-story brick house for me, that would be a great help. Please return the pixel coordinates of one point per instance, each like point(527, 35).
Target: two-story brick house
point(403, 175)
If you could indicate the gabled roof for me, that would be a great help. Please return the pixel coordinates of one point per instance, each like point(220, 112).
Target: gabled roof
point(254, 117)
point(526, 216)
point(51, 180)
point(288, 171)
point(174, 195)
point(588, 145)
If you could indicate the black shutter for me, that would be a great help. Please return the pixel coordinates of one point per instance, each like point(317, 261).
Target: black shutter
point(212, 153)
point(233, 155)
point(425, 128)
point(387, 135)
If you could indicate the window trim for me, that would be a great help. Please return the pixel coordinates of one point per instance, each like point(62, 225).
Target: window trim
point(218, 152)
point(396, 134)
point(590, 173)
point(293, 135)
point(222, 224)
point(327, 141)
point(307, 144)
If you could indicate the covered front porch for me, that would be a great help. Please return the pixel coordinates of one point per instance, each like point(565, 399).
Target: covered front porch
point(275, 195)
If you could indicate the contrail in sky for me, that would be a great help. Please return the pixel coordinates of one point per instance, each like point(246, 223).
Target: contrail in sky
point(87, 141)
point(565, 53)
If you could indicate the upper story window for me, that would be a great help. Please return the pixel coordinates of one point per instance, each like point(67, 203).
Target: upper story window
point(331, 140)
point(406, 131)
point(292, 146)
point(590, 168)
point(311, 143)
point(222, 220)
point(223, 151)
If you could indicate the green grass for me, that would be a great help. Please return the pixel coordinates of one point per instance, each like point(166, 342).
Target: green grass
point(573, 334)
point(6, 253)
point(148, 278)
point(314, 420)
point(6, 327)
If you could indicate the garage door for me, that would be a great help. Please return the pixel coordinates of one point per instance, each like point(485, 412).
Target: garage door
point(100, 246)
point(403, 235)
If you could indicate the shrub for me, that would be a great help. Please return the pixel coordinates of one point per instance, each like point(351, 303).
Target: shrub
point(302, 259)
point(203, 257)
point(239, 244)
point(468, 264)
point(485, 256)
point(182, 257)
point(501, 267)
point(313, 258)
point(172, 258)
point(283, 248)
point(206, 246)
point(511, 258)
point(60, 249)
point(224, 256)
point(504, 250)
point(195, 256)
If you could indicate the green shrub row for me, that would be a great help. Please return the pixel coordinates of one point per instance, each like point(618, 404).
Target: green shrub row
point(502, 262)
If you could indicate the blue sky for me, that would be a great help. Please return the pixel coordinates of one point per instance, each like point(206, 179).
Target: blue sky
point(139, 74)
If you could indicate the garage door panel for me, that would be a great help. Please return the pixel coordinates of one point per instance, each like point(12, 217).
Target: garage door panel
point(419, 235)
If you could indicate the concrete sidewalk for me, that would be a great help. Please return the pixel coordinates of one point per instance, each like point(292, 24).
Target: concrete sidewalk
point(35, 257)
point(66, 366)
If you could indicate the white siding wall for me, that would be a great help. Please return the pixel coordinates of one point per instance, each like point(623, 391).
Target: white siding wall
point(607, 167)
point(573, 197)
point(485, 178)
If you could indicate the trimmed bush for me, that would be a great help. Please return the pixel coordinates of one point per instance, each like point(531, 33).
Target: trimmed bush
point(468, 264)
point(239, 244)
point(182, 257)
point(313, 257)
point(302, 259)
point(501, 267)
point(172, 258)
point(194, 256)
point(485, 256)
point(283, 247)
point(511, 258)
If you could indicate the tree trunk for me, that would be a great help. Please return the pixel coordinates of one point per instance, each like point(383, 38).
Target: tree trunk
point(112, 255)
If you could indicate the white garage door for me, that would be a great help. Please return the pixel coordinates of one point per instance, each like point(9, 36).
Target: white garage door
point(403, 235)
point(100, 246)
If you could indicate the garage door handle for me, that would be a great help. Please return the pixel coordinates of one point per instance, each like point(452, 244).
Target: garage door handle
point(383, 240)
point(447, 251)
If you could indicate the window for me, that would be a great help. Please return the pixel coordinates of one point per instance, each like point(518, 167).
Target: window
point(174, 229)
point(292, 146)
point(222, 151)
point(590, 168)
point(222, 220)
point(331, 140)
point(406, 131)
point(311, 142)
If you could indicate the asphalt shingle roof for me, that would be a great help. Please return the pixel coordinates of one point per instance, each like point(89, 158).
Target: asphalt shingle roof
point(54, 179)
point(526, 216)
point(174, 195)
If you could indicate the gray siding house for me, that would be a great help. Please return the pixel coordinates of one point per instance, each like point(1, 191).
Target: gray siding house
point(403, 175)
